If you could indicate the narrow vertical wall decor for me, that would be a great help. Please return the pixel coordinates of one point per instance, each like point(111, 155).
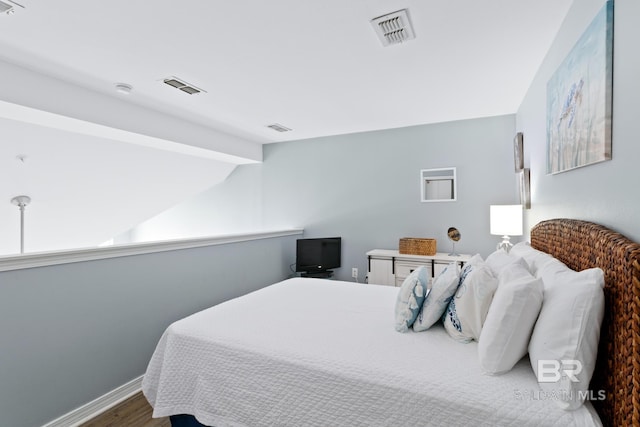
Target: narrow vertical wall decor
point(518, 152)
point(523, 173)
point(525, 190)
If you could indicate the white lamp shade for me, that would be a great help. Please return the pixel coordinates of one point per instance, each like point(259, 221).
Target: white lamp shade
point(506, 220)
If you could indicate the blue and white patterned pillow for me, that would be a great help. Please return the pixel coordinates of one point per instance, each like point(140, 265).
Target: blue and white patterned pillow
point(412, 293)
point(468, 308)
point(442, 289)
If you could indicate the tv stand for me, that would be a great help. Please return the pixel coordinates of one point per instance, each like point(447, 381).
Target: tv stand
point(318, 274)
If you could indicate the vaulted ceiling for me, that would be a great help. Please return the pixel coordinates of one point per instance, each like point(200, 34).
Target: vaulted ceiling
point(316, 67)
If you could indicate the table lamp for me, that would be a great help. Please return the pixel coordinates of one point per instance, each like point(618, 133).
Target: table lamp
point(505, 221)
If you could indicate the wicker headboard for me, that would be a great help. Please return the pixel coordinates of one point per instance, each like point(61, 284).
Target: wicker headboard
point(581, 245)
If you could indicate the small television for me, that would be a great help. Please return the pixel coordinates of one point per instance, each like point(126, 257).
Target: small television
point(316, 257)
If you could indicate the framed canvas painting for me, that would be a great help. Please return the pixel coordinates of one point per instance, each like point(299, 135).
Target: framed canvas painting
point(579, 99)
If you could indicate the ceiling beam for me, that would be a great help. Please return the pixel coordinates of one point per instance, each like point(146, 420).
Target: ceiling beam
point(35, 98)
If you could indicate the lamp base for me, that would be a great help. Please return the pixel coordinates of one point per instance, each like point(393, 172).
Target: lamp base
point(453, 250)
point(505, 244)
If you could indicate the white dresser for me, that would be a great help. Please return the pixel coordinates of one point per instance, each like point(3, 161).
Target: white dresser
point(390, 267)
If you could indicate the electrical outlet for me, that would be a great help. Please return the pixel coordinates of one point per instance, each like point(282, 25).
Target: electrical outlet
point(354, 273)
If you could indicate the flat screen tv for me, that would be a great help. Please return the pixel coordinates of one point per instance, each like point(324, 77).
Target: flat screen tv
point(318, 256)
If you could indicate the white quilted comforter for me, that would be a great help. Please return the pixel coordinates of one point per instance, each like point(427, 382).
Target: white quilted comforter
point(310, 352)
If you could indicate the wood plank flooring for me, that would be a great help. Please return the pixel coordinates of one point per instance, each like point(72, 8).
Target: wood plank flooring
point(133, 412)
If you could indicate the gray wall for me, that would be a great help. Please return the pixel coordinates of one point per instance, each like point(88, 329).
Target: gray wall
point(365, 187)
point(606, 192)
point(71, 333)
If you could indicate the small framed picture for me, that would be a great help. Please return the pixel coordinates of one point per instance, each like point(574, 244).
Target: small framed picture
point(518, 152)
point(525, 188)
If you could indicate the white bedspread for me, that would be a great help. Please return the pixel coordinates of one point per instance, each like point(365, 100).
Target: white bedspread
point(310, 352)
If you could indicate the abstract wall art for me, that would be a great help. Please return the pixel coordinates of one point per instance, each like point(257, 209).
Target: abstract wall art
point(579, 98)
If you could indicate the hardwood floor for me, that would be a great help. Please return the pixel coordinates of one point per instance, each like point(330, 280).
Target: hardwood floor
point(133, 412)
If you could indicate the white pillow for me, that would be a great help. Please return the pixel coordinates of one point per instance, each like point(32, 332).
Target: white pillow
point(442, 289)
point(468, 309)
point(553, 272)
point(534, 258)
point(499, 259)
point(568, 329)
point(410, 298)
point(476, 259)
point(510, 320)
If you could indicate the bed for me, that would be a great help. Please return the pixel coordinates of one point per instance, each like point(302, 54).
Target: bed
point(315, 352)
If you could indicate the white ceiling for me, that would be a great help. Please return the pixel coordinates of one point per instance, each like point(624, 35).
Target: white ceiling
point(313, 66)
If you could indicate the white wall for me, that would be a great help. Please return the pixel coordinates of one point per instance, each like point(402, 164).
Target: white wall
point(606, 192)
point(85, 190)
point(97, 165)
point(233, 206)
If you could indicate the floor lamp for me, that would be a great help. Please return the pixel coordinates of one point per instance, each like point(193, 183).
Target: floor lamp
point(21, 202)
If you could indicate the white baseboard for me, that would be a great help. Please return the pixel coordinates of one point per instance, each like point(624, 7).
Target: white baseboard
point(96, 407)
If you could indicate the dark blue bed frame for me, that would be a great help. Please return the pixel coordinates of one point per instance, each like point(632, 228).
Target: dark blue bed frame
point(184, 421)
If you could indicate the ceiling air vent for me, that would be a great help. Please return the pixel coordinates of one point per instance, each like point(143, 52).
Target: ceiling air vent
point(393, 28)
point(278, 127)
point(183, 86)
point(5, 8)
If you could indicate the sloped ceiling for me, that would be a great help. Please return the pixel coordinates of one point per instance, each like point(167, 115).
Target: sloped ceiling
point(85, 190)
point(314, 66)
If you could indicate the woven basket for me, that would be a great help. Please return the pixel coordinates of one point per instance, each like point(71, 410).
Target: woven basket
point(417, 246)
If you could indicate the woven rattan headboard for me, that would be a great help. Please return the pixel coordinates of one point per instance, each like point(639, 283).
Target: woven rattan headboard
point(581, 245)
